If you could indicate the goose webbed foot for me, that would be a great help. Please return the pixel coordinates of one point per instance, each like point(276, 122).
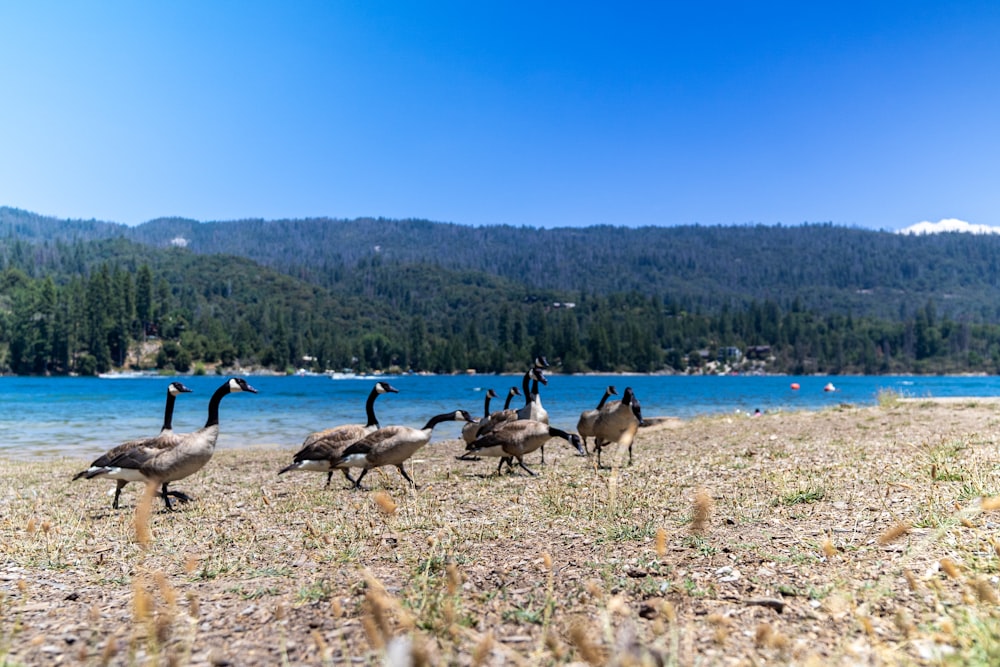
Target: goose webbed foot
point(530, 471)
point(166, 493)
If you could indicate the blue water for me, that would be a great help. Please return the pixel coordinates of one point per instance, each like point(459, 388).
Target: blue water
point(82, 417)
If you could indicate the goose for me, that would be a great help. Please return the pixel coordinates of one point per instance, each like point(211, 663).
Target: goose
point(516, 438)
point(536, 411)
point(585, 426)
point(322, 448)
point(164, 438)
point(617, 423)
point(162, 463)
point(469, 429)
point(511, 393)
point(392, 445)
point(473, 428)
point(510, 414)
point(534, 408)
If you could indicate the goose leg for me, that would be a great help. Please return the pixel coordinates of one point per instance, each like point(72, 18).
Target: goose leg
point(543, 454)
point(407, 477)
point(357, 482)
point(630, 453)
point(347, 474)
point(329, 476)
point(166, 496)
point(118, 492)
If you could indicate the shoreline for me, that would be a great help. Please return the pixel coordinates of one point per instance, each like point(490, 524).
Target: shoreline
point(262, 372)
point(31, 454)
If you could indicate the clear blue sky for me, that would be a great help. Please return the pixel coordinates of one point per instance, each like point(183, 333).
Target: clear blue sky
point(873, 114)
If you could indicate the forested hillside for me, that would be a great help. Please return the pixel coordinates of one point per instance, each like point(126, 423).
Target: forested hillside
point(80, 296)
point(827, 268)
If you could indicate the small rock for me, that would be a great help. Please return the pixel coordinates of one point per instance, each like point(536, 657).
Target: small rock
point(730, 576)
point(931, 651)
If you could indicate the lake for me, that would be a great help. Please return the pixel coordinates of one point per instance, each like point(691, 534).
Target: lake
point(83, 417)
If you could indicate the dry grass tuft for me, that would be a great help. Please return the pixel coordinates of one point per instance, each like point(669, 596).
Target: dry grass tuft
point(828, 549)
point(990, 503)
point(481, 653)
point(191, 564)
point(722, 626)
point(579, 637)
point(985, 591)
point(142, 602)
point(763, 634)
point(950, 568)
point(894, 533)
point(661, 542)
point(702, 511)
point(385, 503)
point(110, 651)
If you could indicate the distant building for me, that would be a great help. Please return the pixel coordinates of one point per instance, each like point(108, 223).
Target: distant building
point(729, 354)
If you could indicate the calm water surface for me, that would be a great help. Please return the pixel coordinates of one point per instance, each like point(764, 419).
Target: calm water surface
point(82, 417)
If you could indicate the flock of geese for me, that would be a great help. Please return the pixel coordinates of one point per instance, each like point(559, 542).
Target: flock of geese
point(507, 434)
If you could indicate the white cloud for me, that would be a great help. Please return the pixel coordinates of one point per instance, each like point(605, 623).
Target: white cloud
point(948, 225)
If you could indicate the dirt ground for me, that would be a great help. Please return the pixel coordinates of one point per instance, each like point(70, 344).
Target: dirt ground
point(842, 537)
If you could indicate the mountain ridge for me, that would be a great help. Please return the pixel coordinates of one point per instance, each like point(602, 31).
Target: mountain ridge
point(823, 266)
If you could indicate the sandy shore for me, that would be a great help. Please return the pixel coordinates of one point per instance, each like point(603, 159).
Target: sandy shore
point(842, 537)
